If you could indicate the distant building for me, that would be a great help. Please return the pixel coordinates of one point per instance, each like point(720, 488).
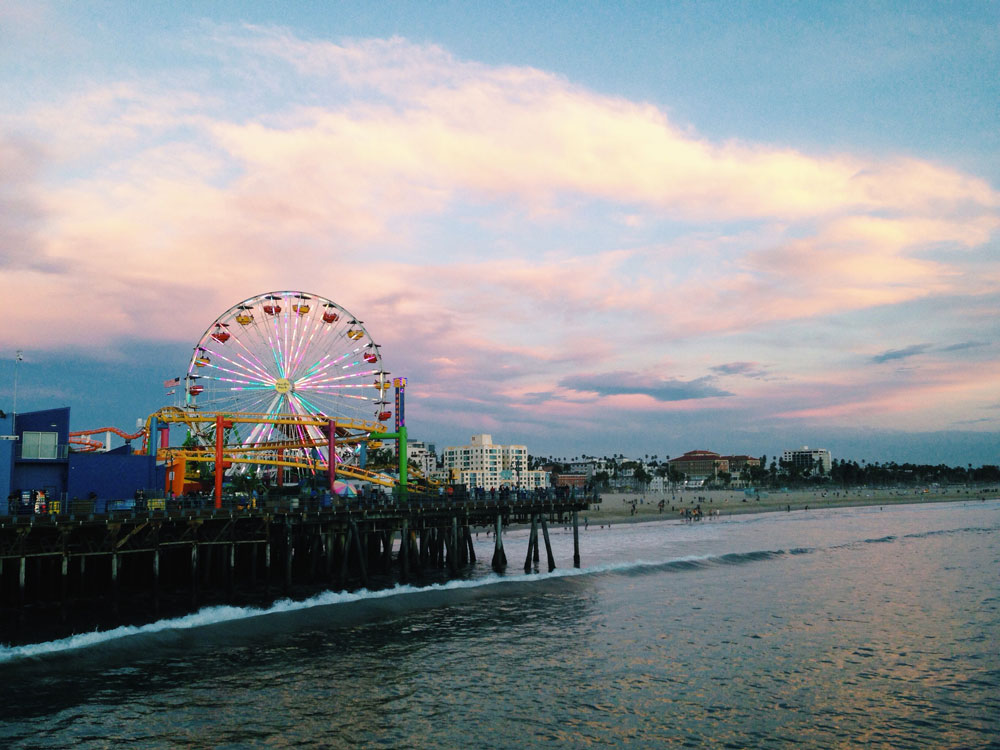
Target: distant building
point(589, 466)
point(571, 480)
point(423, 455)
point(808, 458)
point(695, 464)
point(739, 463)
point(483, 464)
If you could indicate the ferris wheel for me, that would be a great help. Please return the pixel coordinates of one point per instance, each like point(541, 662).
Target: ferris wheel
point(289, 353)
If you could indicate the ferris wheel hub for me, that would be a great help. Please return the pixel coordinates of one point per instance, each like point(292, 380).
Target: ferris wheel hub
point(283, 386)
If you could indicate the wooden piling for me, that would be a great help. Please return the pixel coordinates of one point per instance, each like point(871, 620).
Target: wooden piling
point(548, 545)
point(576, 540)
point(345, 549)
point(194, 573)
point(453, 563)
point(115, 589)
point(156, 579)
point(362, 563)
point(404, 552)
point(532, 543)
point(289, 555)
point(499, 559)
point(64, 587)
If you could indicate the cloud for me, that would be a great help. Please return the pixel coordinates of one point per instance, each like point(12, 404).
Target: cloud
point(626, 383)
point(893, 354)
point(395, 138)
point(962, 346)
point(746, 369)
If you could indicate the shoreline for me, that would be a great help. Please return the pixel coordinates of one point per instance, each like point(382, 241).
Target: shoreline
point(616, 507)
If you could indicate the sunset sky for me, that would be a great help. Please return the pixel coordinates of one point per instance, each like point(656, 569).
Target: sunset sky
point(588, 227)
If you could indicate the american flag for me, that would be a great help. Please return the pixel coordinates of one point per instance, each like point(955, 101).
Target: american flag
point(171, 383)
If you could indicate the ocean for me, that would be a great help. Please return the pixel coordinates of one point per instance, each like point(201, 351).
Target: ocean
point(820, 629)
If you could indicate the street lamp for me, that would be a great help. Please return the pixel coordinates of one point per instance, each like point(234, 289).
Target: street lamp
point(18, 357)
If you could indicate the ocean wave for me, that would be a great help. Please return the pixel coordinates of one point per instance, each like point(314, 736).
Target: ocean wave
point(217, 615)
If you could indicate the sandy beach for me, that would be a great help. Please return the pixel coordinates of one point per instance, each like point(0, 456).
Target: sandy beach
point(616, 507)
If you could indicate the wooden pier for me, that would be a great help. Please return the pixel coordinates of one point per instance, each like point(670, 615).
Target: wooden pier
point(75, 572)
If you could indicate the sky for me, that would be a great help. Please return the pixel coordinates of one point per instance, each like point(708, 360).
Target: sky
point(587, 227)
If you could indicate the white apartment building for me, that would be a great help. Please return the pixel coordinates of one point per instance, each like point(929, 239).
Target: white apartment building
point(589, 466)
point(483, 464)
point(807, 457)
point(423, 455)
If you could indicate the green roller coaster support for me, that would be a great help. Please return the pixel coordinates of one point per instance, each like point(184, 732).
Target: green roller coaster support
point(400, 438)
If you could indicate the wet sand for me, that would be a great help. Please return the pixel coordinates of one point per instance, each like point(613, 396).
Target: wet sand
point(616, 507)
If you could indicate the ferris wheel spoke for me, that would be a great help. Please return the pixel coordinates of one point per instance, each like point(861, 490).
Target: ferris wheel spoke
point(257, 434)
point(322, 371)
point(302, 345)
point(314, 382)
point(255, 367)
point(302, 431)
point(305, 352)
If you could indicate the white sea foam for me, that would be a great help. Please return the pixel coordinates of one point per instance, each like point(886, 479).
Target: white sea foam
point(221, 614)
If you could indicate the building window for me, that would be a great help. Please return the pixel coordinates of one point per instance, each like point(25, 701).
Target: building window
point(40, 445)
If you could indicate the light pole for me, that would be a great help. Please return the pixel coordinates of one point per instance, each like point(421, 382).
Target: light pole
point(13, 422)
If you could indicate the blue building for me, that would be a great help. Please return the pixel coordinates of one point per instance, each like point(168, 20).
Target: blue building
point(39, 459)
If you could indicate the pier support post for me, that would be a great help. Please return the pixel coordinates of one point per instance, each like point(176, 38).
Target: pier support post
point(404, 552)
point(499, 558)
point(194, 574)
point(548, 545)
point(253, 564)
point(329, 555)
point(22, 581)
point(362, 563)
point(267, 562)
point(115, 591)
point(231, 568)
point(289, 556)
point(453, 552)
point(388, 536)
point(64, 596)
point(469, 544)
point(156, 579)
point(532, 543)
point(345, 549)
point(576, 540)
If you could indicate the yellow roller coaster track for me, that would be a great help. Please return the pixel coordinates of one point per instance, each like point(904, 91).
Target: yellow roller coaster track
point(172, 414)
point(350, 472)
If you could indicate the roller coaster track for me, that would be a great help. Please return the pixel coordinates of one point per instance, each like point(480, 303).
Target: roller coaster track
point(89, 445)
point(231, 455)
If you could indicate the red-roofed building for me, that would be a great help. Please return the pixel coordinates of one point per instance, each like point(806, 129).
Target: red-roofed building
point(700, 463)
